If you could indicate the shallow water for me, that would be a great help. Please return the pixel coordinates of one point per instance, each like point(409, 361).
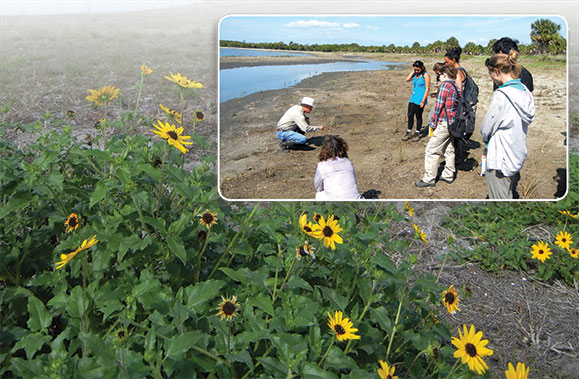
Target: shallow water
point(233, 52)
point(243, 81)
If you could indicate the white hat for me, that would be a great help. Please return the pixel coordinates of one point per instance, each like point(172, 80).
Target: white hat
point(308, 101)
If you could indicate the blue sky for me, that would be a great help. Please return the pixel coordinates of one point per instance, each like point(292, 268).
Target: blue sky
point(380, 30)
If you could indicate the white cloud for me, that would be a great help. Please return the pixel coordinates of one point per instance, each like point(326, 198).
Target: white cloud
point(372, 27)
point(313, 24)
point(350, 25)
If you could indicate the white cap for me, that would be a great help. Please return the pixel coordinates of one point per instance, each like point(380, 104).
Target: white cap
point(308, 101)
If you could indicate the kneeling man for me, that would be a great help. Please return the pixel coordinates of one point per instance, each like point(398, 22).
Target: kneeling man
point(294, 124)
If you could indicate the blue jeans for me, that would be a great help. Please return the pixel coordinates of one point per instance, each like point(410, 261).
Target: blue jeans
point(288, 135)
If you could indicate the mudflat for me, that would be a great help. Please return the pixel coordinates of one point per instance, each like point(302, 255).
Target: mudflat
point(368, 109)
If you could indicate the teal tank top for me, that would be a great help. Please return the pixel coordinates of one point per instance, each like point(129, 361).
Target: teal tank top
point(418, 89)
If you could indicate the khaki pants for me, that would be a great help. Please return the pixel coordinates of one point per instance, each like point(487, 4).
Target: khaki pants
point(498, 185)
point(440, 143)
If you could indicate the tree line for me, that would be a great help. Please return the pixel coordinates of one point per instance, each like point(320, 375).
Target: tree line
point(545, 39)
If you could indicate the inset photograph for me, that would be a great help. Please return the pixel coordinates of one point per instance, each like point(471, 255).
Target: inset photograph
point(347, 108)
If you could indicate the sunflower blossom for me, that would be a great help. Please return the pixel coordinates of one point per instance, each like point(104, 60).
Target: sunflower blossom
point(146, 70)
point(567, 213)
point(329, 232)
point(419, 233)
point(102, 96)
point(172, 135)
point(563, 240)
point(305, 250)
point(227, 308)
point(65, 258)
point(172, 114)
point(386, 371)
point(342, 327)
point(308, 228)
point(183, 81)
point(207, 218)
point(408, 209)
point(541, 251)
point(520, 373)
point(470, 348)
point(574, 253)
point(71, 223)
point(450, 300)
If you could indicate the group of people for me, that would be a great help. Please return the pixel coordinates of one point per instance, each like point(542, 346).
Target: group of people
point(503, 130)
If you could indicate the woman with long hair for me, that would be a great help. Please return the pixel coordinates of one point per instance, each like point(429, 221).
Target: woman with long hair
point(420, 87)
point(504, 128)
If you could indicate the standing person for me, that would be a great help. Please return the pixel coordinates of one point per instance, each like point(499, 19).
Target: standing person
point(436, 69)
point(504, 128)
point(504, 46)
point(420, 86)
point(335, 178)
point(441, 141)
point(294, 124)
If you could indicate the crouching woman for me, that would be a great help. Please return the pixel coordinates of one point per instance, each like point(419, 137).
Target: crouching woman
point(335, 178)
point(504, 128)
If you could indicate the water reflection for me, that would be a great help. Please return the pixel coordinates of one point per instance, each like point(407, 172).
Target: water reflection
point(243, 81)
point(234, 52)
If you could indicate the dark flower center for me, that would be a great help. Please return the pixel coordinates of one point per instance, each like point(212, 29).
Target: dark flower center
point(449, 297)
point(339, 330)
point(470, 349)
point(563, 239)
point(328, 232)
point(317, 217)
point(199, 115)
point(541, 252)
point(173, 135)
point(121, 334)
point(72, 222)
point(307, 229)
point(207, 218)
point(202, 235)
point(229, 308)
point(302, 252)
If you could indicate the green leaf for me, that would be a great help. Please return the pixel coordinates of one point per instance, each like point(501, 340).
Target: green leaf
point(177, 247)
point(380, 315)
point(178, 345)
point(338, 360)
point(273, 366)
point(297, 282)
point(236, 275)
point(99, 193)
point(312, 371)
point(200, 293)
point(39, 316)
point(337, 301)
point(31, 343)
point(16, 203)
point(263, 302)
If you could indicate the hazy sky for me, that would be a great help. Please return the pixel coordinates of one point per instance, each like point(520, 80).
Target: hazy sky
point(379, 30)
point(48, 7)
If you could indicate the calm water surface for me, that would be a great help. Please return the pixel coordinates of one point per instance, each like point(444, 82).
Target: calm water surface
point(243, 81)
point(233, 52)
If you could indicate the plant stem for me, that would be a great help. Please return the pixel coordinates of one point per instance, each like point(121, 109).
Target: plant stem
point(198, 268)
point(327, 351)
point(161, 180)
point(228, 337)
point(394, 327)
point(453, 368)
point(233, 241)
point(441, 267)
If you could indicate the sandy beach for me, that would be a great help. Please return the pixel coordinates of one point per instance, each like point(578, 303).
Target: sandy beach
point(368, 109)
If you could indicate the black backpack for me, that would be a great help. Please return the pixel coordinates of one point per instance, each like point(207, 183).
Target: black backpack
point(469, 89)
point(463, 124)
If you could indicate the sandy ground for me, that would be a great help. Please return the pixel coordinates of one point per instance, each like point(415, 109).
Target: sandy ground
point(368, 109)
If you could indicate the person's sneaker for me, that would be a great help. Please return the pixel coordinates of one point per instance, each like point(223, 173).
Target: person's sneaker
point(423, 184)
point(449, 181)
point(406, 136)
point(284, 147)
point(417, 136)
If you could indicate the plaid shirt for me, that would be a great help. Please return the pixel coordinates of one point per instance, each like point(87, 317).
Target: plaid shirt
point(446, 100)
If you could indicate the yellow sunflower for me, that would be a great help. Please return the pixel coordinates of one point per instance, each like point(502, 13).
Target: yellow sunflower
point(470, 348)
point(183, 81)
point(65, 258)
point(228, 308)
point(305, 250)
point(563, 240)
point(408, 209)
point(146, 70)
point(450, 300)
point(573, 252)
point(102, 96)
point(521, 372)
point(342, 327)
point(419, 233)
point(541, 251)
point(172, 114)
point(207, 218)
point(308, 228)
point(567, 213)
point(199, 116)
point(329, 232)
point(386, 372)
point(173, 135)
point(71, 222)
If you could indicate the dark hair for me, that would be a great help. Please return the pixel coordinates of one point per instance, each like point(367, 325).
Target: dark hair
point(505, 45)
point(454, 53)
point(506, 63)
point(450, 71)
point(437, 66)
point(420, 65)
point(332, 147)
